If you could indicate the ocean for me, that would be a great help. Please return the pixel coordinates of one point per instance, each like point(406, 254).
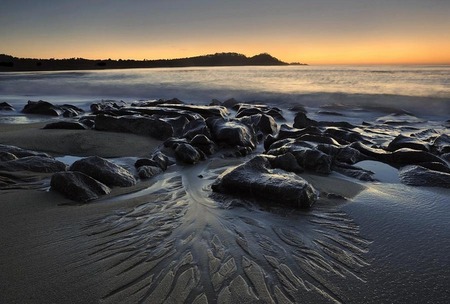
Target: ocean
point(420, 89)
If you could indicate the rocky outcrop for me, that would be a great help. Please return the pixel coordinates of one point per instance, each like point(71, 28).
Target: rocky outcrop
point(78, 186)
point(419, 176)
point(33, 164)
point(302, 121)
point(104, 171)
point(19, 152)
point(4, 106)
point(257, 179)
point(147, 126)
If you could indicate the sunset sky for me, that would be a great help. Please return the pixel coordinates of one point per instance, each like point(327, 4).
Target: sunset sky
point(314, 31)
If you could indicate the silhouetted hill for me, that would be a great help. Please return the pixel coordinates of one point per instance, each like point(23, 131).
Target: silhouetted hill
point(10, 63)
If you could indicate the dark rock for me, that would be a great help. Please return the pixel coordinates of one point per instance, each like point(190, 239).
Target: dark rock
point(104, 171)
point(302, 121)
point(249, 110)
point(146, 172)
point(298, 108)
point(173, 142)
point(6, 156)
point(260, 123)
point(257, 179)
point(330, 113)
point(399, 119)
point(215, 102)
point(147, 126)
point(41, 107)
point(78, 186)
point(343, 134)
point(374, 153)
point(353, 171)
point(318, 139)
point(441, 167)
point(345, 154)
point(313, 160)
point(4, 106)
point(178, 124)
point(19, 152)
point(204, 144)
point(204, 111)
point(157, 160)
point(87, 121)
point(155, 103)
point(33, 164)
point(230, 103)
point(407, 156)
point(232, 133)
point(187, 154)
point(441, 144)
point(420, 176)
point(286, 162)
point(402, 141)
point(70, 125)
point(107, 105)
point(46, 108)
point(196, 127)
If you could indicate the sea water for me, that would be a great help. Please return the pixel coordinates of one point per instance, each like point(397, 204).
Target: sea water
point(407, 87)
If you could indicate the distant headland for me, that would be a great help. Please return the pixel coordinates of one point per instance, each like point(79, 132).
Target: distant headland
point(10, 63)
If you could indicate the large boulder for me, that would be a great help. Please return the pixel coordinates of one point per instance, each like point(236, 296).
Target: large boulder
point(78, 186)
point(256, 179)
point(419, 176)
point(46, 108)
point(402, 141)
point(232, 133)
point(4, 106)
point(146, 172)
point(104, 171)
point(33, 164)
point(147, 126)
point(260, 123)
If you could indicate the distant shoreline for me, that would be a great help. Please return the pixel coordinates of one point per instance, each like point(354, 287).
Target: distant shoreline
point(13, 64)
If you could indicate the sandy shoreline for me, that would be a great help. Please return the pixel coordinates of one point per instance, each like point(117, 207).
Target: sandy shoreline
point(166, 235)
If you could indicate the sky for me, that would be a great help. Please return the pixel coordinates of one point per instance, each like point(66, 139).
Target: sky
point(313, 31)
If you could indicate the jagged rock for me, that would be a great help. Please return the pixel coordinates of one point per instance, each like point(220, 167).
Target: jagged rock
point(419, 176)
point(187, 154)
point(257, 179)
point(204, 144)
point(146, 172)
point(230, 103)
point(33, 164)
point(4, 106)
point(70, 125)
point(78, 186)
point(178, 124)
point(173, 142)
point(147, 126)
point(106, 105)
point(344, 154)
point(232, 133)
point(104, 171)
point(402, 141)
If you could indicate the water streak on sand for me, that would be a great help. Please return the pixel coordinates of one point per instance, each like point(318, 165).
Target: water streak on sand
point(179, 245)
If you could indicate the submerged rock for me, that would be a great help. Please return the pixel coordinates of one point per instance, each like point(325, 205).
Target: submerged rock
point(33, 164)
point(78, 186)
point(257, 179)
point(419, 176)
point(104, 171)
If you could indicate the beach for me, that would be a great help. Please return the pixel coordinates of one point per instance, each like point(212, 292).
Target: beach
point(366, 237)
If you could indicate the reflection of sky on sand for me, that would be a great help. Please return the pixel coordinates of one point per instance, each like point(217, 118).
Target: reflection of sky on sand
point(383, 173)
